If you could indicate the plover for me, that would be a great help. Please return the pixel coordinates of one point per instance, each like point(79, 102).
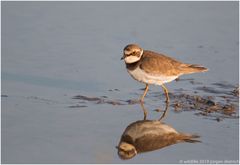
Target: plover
point(154, 68)
point(148, 135)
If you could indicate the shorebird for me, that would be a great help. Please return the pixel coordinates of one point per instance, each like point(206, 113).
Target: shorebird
point(154, 68)
point(148, 135)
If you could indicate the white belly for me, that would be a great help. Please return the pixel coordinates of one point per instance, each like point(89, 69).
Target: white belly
point(142, 76)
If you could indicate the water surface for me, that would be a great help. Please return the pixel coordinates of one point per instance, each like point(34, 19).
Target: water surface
point(53, 51)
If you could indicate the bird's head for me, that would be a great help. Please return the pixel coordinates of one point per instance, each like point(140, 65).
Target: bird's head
point(126, 150)
point(132, 53)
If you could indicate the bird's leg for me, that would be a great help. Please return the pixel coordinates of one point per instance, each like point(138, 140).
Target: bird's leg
point(165, 112)
point(144, 94)
point(145, 112)
point(166, 93)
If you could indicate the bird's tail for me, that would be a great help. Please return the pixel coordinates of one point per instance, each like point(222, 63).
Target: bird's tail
point(192, 68)
point(190, 138)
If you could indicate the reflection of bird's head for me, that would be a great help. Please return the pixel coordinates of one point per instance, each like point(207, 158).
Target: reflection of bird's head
point(126, 150)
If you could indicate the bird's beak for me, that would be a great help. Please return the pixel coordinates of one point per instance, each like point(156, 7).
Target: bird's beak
point(122, 58)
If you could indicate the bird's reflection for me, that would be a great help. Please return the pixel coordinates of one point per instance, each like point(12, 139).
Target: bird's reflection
point(145, 111)
point(148, 135)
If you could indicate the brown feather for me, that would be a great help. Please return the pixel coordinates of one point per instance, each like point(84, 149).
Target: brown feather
point(159, 64)
point(192, 68)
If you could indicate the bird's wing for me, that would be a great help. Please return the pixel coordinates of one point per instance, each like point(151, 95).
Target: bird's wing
point(159, 64)
point(150, 142)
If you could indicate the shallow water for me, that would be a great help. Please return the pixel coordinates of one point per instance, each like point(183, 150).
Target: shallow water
point(54, 51)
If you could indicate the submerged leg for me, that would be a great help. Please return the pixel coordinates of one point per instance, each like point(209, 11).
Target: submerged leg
point(166, 93)
point(144, 94)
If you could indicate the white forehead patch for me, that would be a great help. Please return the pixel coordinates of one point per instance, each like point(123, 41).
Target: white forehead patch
point(127, 52)
point(131, 59)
